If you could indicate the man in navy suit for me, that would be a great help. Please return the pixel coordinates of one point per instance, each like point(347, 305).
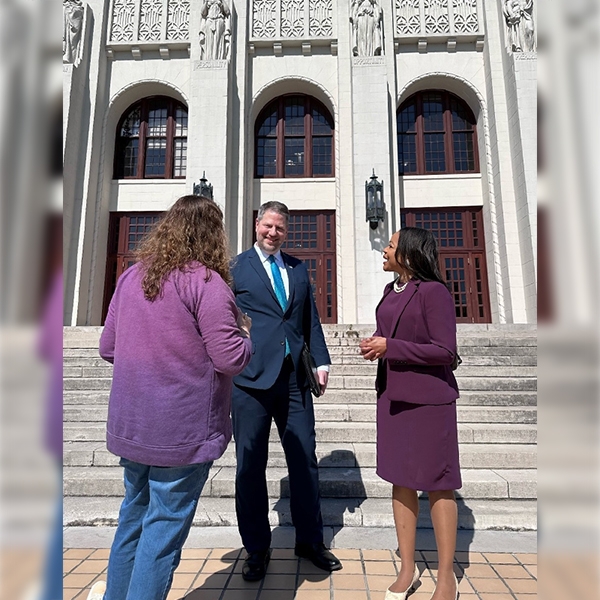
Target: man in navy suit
point(274, 289)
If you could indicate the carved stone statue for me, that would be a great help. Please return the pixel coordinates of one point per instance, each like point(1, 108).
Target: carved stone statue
point(73, 11)
point(520, 27)
point(215, 32)
point(366, 17)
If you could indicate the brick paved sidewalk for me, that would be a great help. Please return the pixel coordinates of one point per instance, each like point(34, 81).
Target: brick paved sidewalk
point(206, 574)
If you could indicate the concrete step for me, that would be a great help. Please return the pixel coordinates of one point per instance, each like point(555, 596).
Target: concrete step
point(463, 340)
point(87, 336)
point(493, 355)
point(488, 433)
point(78, 383)
point(353, 382)
point(467, 397)
point(342, 413)
point(333, 482)
point(342, 455)
point(337, 512)
point(355, 358)
point(474, 328)
point(85, 397)
point(347, 382)
point(364, 369)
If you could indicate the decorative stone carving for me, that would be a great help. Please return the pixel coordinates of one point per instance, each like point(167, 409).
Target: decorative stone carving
point(292, 18)
point(150, 20)
point(320, 18)
point(295, 19)
point(408, 20)
point(73, 12)
point(178, 20)
point(123, 21)
point(215, 32)
point(465, 16)
point(518, 15)
point(264, 18)
point(366, 17)
point(436, 16)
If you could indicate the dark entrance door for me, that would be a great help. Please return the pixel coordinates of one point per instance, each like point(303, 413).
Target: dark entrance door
point(125, 231)
point(459, 233)
point(311, 238)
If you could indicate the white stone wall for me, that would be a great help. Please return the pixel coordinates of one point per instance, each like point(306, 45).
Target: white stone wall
point(313, 194)
point(139, 195)
point(224, 101)
point(419, 191)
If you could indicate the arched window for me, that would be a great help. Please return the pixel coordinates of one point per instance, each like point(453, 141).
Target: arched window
point(294, 138)
point(152, 140)
point(437, 133)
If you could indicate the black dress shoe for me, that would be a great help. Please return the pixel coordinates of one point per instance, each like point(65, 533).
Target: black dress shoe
point(318, 556)
point(255, 565)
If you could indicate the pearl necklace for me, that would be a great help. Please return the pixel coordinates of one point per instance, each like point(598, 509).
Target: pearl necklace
point(399, 288)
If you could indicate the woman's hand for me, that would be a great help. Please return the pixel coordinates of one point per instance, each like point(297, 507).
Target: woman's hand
point(373, 348)
point(244, 322)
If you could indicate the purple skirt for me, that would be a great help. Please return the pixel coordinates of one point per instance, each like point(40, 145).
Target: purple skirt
point(417, 445)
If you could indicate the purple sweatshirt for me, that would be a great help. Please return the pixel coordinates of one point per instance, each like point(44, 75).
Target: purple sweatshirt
point(174, 360)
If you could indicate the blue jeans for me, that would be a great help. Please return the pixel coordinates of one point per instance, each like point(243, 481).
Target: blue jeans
point(154, 522)
point(53, 584)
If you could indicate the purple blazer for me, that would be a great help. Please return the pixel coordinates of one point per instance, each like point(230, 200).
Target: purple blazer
point(422, 346)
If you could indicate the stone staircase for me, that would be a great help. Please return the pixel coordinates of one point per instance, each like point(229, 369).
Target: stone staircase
point(497, 433)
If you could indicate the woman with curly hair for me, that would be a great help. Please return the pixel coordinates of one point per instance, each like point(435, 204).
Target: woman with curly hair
point(176, 339)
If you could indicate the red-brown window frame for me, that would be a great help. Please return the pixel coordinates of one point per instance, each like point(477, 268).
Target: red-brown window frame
point(448, 145)
point(470, 249)
point(309, 103)
point(144, 104)
point(118, 254)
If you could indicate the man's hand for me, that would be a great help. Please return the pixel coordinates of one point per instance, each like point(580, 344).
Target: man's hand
point(323, 377)
point(373, 348)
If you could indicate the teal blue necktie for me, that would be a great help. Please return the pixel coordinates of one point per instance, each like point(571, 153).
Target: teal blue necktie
point(279, 291)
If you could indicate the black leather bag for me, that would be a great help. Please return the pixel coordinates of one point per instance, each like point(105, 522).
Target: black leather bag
point(311, 372)
point(456, 362)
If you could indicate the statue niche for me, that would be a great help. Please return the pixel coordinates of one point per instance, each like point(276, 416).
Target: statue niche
point(367, 22)
point(518, 15)
point(73, 11)
point(215, 31)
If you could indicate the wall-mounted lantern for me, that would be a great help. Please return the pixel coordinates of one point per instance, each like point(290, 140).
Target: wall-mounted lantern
point(374, 200)
point(203, 188)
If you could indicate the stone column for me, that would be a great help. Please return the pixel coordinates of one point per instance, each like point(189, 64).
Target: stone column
point(76, 60)
point(523, 125)
point(208, 148)
point(370, 123)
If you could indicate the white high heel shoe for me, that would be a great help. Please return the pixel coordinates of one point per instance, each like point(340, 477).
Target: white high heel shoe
point(98, 590)
point(456, 582)
point(389, 595)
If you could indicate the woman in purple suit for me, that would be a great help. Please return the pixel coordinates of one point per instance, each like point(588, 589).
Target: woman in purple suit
point(417, 440)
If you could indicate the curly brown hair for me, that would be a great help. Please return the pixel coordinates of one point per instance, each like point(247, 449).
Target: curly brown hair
point(192, 230)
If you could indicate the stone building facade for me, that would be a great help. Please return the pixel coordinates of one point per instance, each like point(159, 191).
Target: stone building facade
point(303, 101)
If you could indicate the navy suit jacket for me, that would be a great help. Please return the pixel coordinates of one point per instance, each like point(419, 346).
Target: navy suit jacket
point(271, 325)
point(421, 345)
